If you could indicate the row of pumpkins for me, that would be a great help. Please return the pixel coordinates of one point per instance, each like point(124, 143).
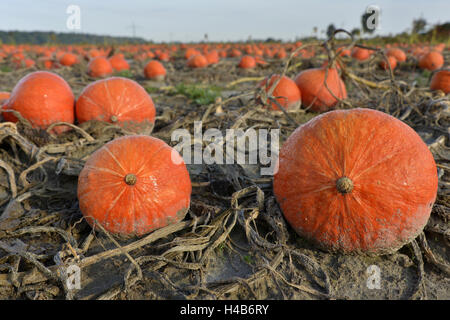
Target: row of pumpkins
point(355, 181)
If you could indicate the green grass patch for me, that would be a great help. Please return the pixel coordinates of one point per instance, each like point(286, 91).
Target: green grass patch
point(200, 95)
point(151, 89)
point(125, 74)
point(5, 68)
point(248, 259)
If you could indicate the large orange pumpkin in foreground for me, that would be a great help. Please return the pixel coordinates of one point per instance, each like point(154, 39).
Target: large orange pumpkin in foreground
point(42, 98)
point(315, 94)
point(356, 181)
point(133, 185)
point(117, 100)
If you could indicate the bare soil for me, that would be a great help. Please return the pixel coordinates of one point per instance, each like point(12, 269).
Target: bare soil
point(234, 243)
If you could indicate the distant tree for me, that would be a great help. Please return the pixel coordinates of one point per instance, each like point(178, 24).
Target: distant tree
point(330, 30)
point(43, 37)
point(418, 25)
point(365, 24)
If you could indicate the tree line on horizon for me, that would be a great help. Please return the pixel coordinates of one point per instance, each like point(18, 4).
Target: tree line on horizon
point(49, 37)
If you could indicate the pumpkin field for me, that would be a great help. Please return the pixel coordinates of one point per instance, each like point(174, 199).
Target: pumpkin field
point(91, 181)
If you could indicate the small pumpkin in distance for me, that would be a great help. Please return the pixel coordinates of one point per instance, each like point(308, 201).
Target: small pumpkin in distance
point(197, 61)
point(356, 181)
point(360, 54)
point(247, 62)
point(100, 67)
point(117, 100)
point(134, 185)
point(155, 70)
point(68, 59)
point(397, 53)
point(118, 62)
point(392, 62)
point(212, 57)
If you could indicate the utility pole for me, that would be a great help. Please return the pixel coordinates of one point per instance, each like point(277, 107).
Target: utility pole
point(133, 29)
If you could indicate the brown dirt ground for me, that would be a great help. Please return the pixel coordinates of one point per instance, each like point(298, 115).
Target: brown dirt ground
point(234, 243)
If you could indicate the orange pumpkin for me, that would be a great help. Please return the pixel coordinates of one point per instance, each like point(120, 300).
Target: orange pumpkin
point(197, 61)
point(247, 62)
point(397, 53)
point(4, 95)
point(68, 59)
point(432, 60)
point(356, 181)
point(99, 67)
point(392, 62)
point(342, 52)
point(234, 53)
point(314, 92)
point(190, 52)
point(117, 100)
point(42, 98)
point(286, 92)
point(441, 81)
point(134, 185)
point(163, 56)
point(212, 57)
point(118, 62)
point(155, 70)
point(360, 54)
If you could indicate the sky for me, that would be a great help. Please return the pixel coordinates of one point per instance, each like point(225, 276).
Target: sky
point(222, 20)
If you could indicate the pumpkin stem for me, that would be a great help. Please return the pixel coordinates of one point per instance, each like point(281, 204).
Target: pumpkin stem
point(344, 185)
point(130, 179)
point(114, 119)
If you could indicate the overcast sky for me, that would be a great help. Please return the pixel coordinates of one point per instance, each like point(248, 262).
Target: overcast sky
point(189, 20)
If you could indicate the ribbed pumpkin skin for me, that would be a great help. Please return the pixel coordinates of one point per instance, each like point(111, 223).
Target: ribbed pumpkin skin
point(315, 93)
point(160, 196)
point(42, 98)
point(117, 100)
point(394, 182)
